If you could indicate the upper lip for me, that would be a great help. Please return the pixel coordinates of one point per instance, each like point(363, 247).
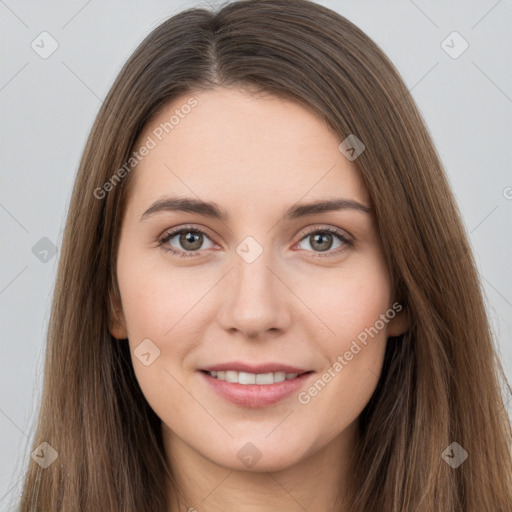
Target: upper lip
point(256, 368)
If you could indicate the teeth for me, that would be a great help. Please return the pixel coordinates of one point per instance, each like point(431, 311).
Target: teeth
point(265, 378)
point(252, 378)
point(231, 376)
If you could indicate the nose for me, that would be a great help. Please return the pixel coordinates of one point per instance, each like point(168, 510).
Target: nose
point(258, 300)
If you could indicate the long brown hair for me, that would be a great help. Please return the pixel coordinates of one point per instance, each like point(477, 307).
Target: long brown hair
point(441, 381)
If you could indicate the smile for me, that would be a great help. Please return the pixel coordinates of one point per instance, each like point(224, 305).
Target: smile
point(254, 389)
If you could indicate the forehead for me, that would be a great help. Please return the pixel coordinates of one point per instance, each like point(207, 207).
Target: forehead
point(231, 145)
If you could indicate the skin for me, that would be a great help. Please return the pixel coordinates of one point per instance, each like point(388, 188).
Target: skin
point(289, 305)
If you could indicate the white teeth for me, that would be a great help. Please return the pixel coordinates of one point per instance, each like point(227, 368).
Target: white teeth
point(279, 376)
point(265, 378)
point(246, 378)
point(231, 376)
point(252, 378)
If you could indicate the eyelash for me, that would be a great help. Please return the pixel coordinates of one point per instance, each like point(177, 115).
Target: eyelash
point(188, 254)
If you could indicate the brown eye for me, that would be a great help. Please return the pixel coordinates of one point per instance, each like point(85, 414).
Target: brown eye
point(322, 240)
point(186, 241)
point(191, 240)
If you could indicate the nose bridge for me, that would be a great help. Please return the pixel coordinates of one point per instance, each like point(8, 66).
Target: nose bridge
point(252, 273)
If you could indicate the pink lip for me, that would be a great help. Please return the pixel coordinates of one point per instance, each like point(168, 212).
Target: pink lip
point(254, 395)
point(258, 368)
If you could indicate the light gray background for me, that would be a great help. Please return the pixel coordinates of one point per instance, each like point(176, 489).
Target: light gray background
point(48, 106)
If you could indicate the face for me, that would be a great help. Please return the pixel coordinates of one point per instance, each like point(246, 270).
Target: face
point(252, 286)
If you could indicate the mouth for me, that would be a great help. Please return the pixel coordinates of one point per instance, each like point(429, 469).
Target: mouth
point(259, 379)
point(247, 389)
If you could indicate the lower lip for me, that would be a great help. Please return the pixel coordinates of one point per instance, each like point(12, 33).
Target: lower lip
point(255, 395)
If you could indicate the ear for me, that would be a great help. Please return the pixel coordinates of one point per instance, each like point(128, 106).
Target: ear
point(117, 321)
point(399, 323)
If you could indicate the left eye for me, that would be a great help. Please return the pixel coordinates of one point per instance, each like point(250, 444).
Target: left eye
point(323, 240)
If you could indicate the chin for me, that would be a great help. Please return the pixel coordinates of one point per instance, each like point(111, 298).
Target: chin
point(257, 456)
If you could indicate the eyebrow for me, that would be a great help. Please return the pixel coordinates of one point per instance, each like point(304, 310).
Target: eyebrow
point(214, 211)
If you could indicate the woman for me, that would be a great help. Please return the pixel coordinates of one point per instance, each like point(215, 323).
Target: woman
point(266, 299)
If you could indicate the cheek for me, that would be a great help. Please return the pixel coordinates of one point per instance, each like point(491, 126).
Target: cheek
point(155, 296)
point(347, 302)
point(351, 307)
point(158, 305)
point(354, 351)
